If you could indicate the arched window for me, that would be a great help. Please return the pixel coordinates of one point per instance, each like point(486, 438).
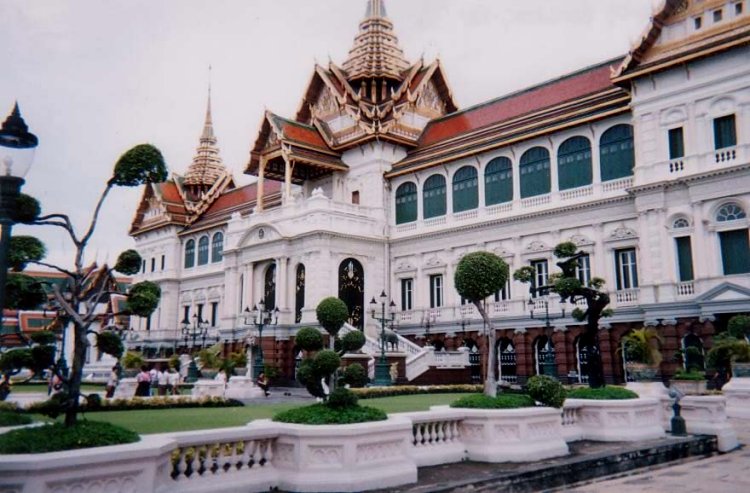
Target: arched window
point(299, 293)
point(574, 163)
point(616, 153)
point(680, 223)
point(544, 352)
point(406, 203)
point(498, 181)
point(269, 287)
point(433, 195)
point(190, 254)
point(465, 191)
point(203, 250)
point(534, 170)
point(217, 247)
point(730, 212)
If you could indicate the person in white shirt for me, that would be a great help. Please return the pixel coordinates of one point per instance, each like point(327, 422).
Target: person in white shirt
point(163, 380)
point(154, 375)
point(173, 382)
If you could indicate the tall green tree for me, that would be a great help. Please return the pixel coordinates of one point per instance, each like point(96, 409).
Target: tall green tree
point(478, 276)
point(75, 300)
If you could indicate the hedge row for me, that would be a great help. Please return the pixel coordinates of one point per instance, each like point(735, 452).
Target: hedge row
point(375, 392)
point(95, 404)
point(54, 437)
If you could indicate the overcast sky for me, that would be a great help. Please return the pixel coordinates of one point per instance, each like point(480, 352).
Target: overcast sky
point(94, 78)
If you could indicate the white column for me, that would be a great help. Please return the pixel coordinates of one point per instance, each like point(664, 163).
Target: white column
point(249, 289)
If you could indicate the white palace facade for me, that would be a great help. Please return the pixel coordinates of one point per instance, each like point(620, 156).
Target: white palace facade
point(380, 182)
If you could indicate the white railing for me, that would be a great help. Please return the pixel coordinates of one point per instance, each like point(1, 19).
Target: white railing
point(502, 306)
point(462, 216)
point(499, 209)
point(627, 297)
point(571, 418)
point(535, 201)
point(417, 364)
point(686, 288)
point(614, 185)
point(435, 221)
point(406, 227)
point(450, 359)
point(577, 192)
point(468, 311)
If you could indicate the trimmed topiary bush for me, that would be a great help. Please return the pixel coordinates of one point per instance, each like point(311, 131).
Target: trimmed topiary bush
point(332, 313)
point(602, 393)
point(56, 437)
point(309, 339)
point(546, 390)
point(129, 263)
point(8, 418)
point(141, 164)
point(322, 414)
point(143, 298)
point(397, 390)
point(355, 376)
point(342, 398)
point(352, 341)
point(502, 401)
point(326, 362)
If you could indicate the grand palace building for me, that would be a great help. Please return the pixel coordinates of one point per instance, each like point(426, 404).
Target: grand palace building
point(380, 182)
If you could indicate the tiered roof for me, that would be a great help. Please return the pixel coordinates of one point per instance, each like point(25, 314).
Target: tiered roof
point(207, 167)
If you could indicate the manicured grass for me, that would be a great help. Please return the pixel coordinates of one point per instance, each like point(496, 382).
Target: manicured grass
point(170, 420)
point(26, 388)
point(56, 437)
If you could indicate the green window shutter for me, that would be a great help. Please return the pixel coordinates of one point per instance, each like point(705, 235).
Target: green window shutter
point(725, 133)
point(406, 203)
point(735, 251)
point(190, 254)
point(534, 171)
point(684, 258)
point(465, 189)
point(676, 143)
point(217, 247)
point(203, 250)
point(434, 196)
point(616, 153)
point(574, 163)
point(498, 181)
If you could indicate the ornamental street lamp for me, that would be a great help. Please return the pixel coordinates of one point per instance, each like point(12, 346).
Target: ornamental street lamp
point(199, 328)
point(382, 371)
point(17, 146)
point(260, 316)
point(542, 293)
point(428, 321)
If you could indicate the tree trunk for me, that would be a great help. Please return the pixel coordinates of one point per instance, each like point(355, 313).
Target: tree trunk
point(490, 386)
point(80, 342)
point(595, 369)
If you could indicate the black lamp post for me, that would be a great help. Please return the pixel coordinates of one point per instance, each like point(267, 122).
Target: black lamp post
point(382, 371)
point(199, 328)
point(428, 322)
point(17, 146)
point(543, 292)
point(260, 317)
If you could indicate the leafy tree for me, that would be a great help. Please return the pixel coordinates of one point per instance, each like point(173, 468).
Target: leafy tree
point(129, 263)
point(309, 339)
point(332, 313)
point(479, 275)
point(76, 299)
point(24, 249)
point(569, 287)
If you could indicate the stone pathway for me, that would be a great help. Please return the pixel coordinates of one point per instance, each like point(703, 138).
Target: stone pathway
point(725, 473)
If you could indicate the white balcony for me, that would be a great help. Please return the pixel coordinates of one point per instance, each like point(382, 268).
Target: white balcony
point(685, 289)
point(627, 297)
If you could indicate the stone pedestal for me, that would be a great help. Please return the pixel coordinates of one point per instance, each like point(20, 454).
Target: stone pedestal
point(656, 390)
point(706, 415)
point(242, 388)
point(208, 388)
point(126, 388)
point(737, 392)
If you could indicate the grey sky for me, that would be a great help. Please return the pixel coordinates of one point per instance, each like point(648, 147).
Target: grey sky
point(95, 77)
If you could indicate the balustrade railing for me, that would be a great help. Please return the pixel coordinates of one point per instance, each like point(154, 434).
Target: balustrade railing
point(686, 288)
point(627, 297)
point(725, 155)
point(536, 201)
point(576, 193)
point(614, 185)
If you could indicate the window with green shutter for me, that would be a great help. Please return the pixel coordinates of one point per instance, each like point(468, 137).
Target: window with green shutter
point(574, 163)
point(684, 258)
point(534, 171)
point(406, 203)
point(616, 153)
point(676, 143)
point(465, 189)
point(433, 196)
point(735, 251)
point(498, 181)
point(725, 133)
point(190, 254)
point(203, 250)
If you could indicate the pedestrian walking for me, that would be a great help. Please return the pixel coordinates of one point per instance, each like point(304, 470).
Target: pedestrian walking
point(144, 382)
point(114, 378)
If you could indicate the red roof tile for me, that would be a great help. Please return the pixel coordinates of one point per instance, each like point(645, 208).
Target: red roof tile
point(304, 135)
point(574, 86)
point(238, 197)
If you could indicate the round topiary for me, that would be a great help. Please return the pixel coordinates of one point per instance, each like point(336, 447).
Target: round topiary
point(23, 292)
point(140, 165)
point(110, 343)
point(129, 263)
point(479, 275)
point(25, 249)
point(309, 339)
point(27, 209)
point(43, 337)
point(353, 341)
point(547, 390)
point(143, 298)
point(739, 326)
point(326, 362)
point(332, 313)
point(565, 249)
point(342, 398)
point(355, 376)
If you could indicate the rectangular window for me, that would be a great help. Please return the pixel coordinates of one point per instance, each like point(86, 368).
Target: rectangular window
point(718, 14)
point(153, 264)
point(407, 293)
point(627, 269)
point(697, 22)
point(200, 311)
point(143, 266)
point(355, 197)
point(684, 258)
point(436, 291)
point(583, 270)
point(503, 294)
point(735, 251)
point(725, 133)
point(676, 143)
point(738, 7)
point(163, 262)
point(541, 276)
point(214, 313)
point(186, 313)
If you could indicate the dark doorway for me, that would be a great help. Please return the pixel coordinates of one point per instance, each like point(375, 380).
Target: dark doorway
point(269, 287)
point(352, 290)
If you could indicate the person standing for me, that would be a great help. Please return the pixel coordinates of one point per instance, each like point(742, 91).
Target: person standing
point(114, 378)
point(163, 381)
point(154, 375)
point(144, 382)
point(173, 382)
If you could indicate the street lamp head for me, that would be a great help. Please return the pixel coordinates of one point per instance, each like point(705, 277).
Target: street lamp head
point(373, 302)
point(17, 146)
point(392, 304)
point(383, 296)
point(262, 304)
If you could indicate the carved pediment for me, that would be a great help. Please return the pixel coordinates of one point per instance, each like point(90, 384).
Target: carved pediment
point(623, 233)
point(581, 240)
point(405, 266)
point(431, 100)
point(434, 261)
point(502, 252)
point(536, 246)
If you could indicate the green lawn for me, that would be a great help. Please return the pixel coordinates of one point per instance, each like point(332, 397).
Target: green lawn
point(167, 420)
point(25, 388)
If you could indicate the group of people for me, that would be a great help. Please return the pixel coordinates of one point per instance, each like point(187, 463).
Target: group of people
point(157, 382)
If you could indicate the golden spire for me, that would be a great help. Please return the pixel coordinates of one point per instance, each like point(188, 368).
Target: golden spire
point(207, 166)
point(376, 52)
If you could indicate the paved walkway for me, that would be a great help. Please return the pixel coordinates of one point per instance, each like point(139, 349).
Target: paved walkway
point(725, 473)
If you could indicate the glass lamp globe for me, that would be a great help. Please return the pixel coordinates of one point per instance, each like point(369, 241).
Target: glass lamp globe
point(17, 146)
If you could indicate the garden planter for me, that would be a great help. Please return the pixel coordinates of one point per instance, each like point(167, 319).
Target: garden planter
point(642, 372)
point(242, 388)
point(625, 420)
point(125, 388)
point(208, 388)
point(344, 458)
point(512, 435)
point(706, 415)
point(648, 389)
point(690, 387)
point(737, 392)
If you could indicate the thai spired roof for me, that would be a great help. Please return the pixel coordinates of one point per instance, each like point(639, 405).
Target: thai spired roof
point(207, 167)
point(161, 205)
point(585, 94)
point(656, 51)
point(376, 52)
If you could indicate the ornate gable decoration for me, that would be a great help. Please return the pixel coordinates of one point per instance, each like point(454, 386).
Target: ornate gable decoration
point(580, 240)
point(434, 261)
point(623, 233)
point(536, 246)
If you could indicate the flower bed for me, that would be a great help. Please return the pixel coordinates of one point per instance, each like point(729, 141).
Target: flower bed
point(138, 403)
